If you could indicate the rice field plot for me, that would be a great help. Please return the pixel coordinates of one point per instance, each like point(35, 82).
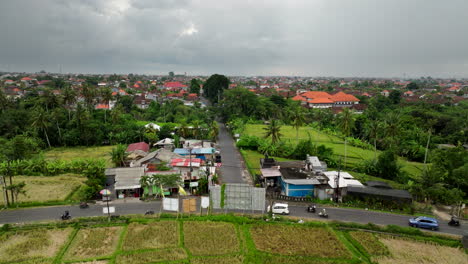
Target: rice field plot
point(152, 256)
point(370, 243)
point(218, 260)
point(298, 240)
point(34, 245)
point(71, 153)
point(154, 235)
point(92, 262)
point(93, 242)
point(47, 188)
point(414, 252)
point(210, 238)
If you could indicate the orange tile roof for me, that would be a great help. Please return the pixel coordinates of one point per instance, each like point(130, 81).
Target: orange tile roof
point(321, 100)
point(299, 98)
point(343, 97)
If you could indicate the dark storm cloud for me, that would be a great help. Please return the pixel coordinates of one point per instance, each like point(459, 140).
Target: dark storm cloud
point(315, 37)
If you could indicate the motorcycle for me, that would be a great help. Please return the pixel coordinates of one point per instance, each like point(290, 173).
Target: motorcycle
point(149, 212)
point(454, 221)
point(323, 213)
point(312, 208)
point(83, 205)
point(66, 215)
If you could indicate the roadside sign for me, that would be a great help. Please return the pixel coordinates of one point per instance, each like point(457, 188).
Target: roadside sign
point(111, 210)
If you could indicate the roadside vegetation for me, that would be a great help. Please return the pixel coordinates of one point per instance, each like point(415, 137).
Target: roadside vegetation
point(220, 239)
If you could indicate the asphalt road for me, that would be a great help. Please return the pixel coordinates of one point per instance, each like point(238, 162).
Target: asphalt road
point(136, 207)
point(231, 168)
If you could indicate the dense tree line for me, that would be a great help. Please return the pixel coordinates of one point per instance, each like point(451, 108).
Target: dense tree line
point(64, 120)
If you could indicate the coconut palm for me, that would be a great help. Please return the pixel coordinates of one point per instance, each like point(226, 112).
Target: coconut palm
point(273, 131)
point(372, 130)
point(106, 95)
point(41, 122)
point(392, 125)
point(298, 119)
point(346, 125)
point(68, 99)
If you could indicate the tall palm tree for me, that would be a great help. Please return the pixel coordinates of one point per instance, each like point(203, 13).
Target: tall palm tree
point(41, 122)
point(273, 130)
point(346, 125)
point(298, 119)
point(392, 125)
point(196, 129)
point(372, 130)
point(106, 94)
point(89, 94)
point(68, 99)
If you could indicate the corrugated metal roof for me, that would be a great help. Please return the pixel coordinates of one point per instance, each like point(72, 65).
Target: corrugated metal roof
point(128, 178)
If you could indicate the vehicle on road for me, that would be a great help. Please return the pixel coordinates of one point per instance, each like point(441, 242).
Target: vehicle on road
point(311, 208)
point(279, 208)
point(424, 222)
point(149, 212)
point(66, 215)
point(84, 205)
point(454, 221)
point(323, 213)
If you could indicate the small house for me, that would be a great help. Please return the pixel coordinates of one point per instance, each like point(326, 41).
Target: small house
point(188, 168)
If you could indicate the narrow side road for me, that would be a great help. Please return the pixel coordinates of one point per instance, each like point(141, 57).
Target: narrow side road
point(231, 168)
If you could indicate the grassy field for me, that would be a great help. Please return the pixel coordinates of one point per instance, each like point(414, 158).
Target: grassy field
point(93, 242)
point(215, 239)
point(47, 188)
point(297, 240)
point(35, 244)
point(162, 234)
point(81, 153)
point(412, 252)
point(355, 155)
point(210, 238)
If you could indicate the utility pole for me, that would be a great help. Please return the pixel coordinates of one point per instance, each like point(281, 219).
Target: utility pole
point(191, 169)
point(337, 183)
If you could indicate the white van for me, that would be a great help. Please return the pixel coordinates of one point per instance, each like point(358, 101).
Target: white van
point(279, 208)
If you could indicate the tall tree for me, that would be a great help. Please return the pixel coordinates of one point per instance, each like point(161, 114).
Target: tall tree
point(273, 130)
point(119, 155)
point(346, 125)
point(41, 121)
point(68, 99)
point(392, 123)
point(106, 95)
point(89, 94)
point(214, 87)
point(298, 119)
point(372, 129)
point(195, 86)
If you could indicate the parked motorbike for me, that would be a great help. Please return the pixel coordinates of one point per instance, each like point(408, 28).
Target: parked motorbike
point(149, 212)
point(66, 215)
point(323, 213)
point(83, 205)
point(454, 221)
point(311, 208)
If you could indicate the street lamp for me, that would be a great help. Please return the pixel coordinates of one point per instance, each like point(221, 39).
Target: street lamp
point(106, 193)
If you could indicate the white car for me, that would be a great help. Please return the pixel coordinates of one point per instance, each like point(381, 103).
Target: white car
point(279, 208)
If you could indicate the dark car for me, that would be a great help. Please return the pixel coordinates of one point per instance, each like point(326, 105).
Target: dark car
point(424, 222)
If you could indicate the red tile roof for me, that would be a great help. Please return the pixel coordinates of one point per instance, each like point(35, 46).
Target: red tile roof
point(26, 79)
point(321, 100)
point(138, 146)
point(174, 85)
point(186, 162)
point(102, 106)
point(316, 97)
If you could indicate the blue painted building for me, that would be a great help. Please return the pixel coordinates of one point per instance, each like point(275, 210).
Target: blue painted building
point(297, 183)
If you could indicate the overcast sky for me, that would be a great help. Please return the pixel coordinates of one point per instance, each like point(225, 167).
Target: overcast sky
point(369, 38)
